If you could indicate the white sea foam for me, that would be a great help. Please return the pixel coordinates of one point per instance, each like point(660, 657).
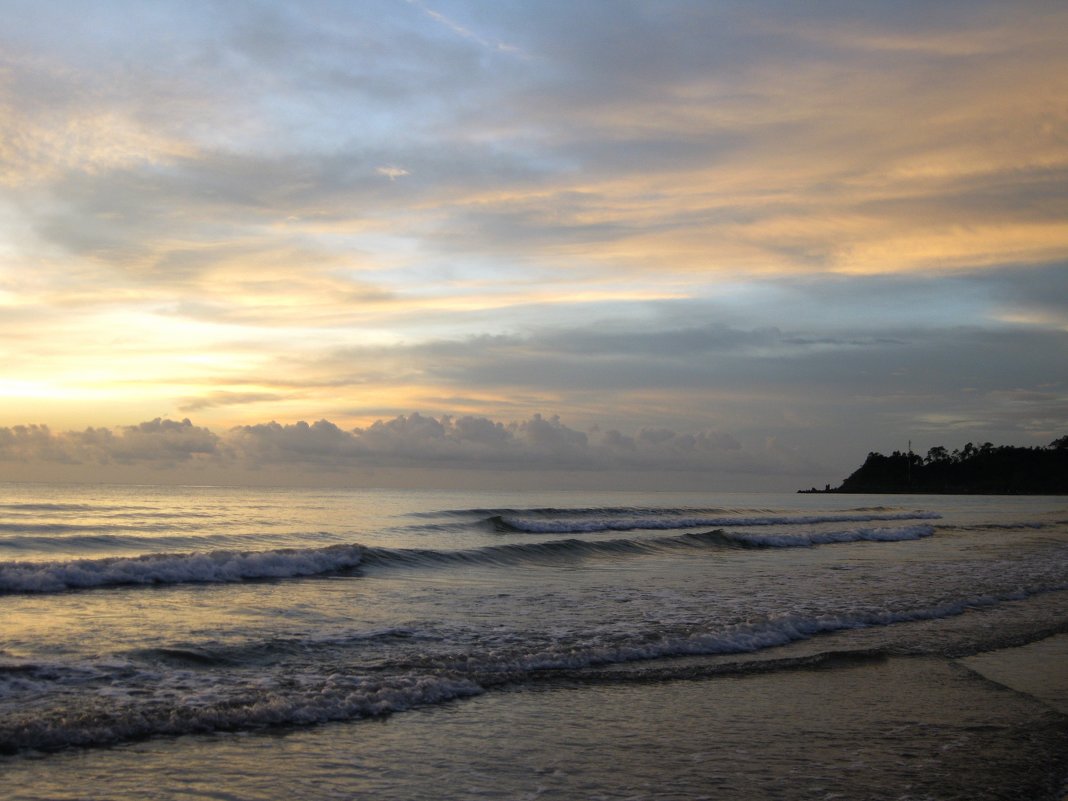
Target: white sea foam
point(747, 638)
point(211, 566)
point(314, 699)
point(806, 539)
point(232, 566)
point(209, 702)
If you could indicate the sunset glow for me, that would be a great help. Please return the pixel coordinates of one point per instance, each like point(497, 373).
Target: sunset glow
point(814, 231)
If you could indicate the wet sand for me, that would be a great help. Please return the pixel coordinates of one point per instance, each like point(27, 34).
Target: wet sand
point(1039, 669)
point(893, 728)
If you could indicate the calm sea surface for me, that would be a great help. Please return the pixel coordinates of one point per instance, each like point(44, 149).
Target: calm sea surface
point(218, 643)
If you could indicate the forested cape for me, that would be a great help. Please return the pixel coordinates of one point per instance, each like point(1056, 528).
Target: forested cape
point(983, 470)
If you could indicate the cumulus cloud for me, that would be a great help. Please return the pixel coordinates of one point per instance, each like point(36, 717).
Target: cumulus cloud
point(34, 443)
point(406, 441)
point(159, 442)
point(321, 443)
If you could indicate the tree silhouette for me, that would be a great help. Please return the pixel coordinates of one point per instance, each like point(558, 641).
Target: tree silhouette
point(987, 469)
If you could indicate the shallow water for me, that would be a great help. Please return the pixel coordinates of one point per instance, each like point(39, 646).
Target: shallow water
point(447, 645)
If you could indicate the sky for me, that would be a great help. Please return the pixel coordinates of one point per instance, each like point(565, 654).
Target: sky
point(708, 244)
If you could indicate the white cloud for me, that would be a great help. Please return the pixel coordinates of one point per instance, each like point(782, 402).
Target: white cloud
point(393, 173)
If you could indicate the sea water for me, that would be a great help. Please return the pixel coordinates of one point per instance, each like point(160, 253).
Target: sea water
point(207, 642)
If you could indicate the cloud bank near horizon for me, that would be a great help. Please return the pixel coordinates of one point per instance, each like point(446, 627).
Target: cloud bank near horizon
point(407, 441)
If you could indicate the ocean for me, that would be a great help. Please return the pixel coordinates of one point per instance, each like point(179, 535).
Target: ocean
point(231, 643)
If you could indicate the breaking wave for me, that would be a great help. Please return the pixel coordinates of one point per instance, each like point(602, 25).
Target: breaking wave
point(210, 566)
point(320, 699)
point(234, 566)
point(231, 703)
point(593, 520)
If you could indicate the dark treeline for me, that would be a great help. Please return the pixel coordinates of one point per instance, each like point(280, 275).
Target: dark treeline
point(986, 469)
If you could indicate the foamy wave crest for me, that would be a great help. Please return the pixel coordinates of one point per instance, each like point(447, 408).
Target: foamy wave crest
point(85, 545)
point(831, 537)
point(210, 566)
point(232, 566)
point(740, 639)
point(558, 551)
point(317, 699)
point(218, 701)
point(580, 524)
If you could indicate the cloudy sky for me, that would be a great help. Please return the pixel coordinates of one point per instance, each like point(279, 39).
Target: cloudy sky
point(727, 242)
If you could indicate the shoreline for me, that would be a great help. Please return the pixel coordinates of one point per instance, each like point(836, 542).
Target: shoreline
point(1036, 669)
point(920, 726)
point(960, 493)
